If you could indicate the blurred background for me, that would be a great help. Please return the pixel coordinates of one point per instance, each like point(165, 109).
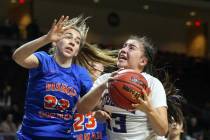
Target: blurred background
point(179, 30)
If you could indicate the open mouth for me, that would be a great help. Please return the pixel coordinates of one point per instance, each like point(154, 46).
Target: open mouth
point(122, 57)
point(69, 49)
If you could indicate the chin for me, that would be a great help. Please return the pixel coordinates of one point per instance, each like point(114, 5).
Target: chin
point(67, 55)
point(121, 65)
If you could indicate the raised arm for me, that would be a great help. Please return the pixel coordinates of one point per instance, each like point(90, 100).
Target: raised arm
point(24, 54)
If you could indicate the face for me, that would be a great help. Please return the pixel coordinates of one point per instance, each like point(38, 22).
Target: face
point(132, 55)
point(175, 129)
point(69, 45)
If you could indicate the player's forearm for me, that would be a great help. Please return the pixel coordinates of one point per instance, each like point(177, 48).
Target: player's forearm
point(159, 121)
point(29, 48)
point(90, 100)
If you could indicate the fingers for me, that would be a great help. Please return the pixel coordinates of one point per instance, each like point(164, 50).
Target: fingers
point(61, 25)
point(149, 92)
point(116, 72)
point(107, 115)
point(120, 69)
point(134, 105)
point(110, 79)
point(54, 23)
point(145, 94)
point(140, 100)
point(102, 115)
point(60, 20)
point(66, 19)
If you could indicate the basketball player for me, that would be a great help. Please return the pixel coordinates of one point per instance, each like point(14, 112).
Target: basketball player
point(149, 119)
point(55, 81)
point(177, 124)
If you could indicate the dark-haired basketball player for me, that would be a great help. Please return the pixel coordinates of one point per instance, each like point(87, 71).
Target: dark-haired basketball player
point(149, 119)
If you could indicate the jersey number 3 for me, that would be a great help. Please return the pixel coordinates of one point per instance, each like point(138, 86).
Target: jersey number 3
point(119, 123)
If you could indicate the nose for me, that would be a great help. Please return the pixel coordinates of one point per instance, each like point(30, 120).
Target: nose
point(72, 43)
point(123, 50)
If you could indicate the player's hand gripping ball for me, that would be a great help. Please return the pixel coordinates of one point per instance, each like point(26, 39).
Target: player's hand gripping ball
point(126, 87)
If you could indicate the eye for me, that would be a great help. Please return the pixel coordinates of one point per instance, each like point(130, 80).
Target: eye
point(77, 42)
point(131, 47)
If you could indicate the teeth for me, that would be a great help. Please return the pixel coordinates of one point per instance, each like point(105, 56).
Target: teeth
point(69, 49)
point(122, 57)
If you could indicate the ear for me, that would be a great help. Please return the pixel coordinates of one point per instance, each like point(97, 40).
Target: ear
point(143, 61)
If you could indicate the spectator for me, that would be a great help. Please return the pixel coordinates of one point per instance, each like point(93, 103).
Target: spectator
point(8, 124)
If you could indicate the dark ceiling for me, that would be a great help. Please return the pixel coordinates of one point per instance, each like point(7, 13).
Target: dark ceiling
point(176, 8)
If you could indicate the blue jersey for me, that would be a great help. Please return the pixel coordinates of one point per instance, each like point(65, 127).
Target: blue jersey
point(87, 128)
point(51, 96)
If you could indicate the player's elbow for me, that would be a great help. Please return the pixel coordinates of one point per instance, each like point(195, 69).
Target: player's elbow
point(14, 56)
point(17, 57)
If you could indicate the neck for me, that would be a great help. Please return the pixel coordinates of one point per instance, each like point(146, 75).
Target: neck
point(177, 137)
point(63, 61)
point(139, 70)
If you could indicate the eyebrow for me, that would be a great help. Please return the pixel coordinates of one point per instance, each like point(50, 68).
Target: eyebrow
point(129, 44)
point(76, 37)
point(70, 33)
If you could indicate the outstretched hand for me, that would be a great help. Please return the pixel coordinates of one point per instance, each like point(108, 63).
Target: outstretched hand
point(57, 30)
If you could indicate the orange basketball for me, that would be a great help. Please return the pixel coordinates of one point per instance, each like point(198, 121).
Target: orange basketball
point(125, 86)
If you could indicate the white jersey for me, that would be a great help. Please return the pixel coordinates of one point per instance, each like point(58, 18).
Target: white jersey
point(134, 125)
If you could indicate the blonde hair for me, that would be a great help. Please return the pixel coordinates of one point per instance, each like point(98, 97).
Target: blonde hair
point(90, 53)
point(79, 24)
